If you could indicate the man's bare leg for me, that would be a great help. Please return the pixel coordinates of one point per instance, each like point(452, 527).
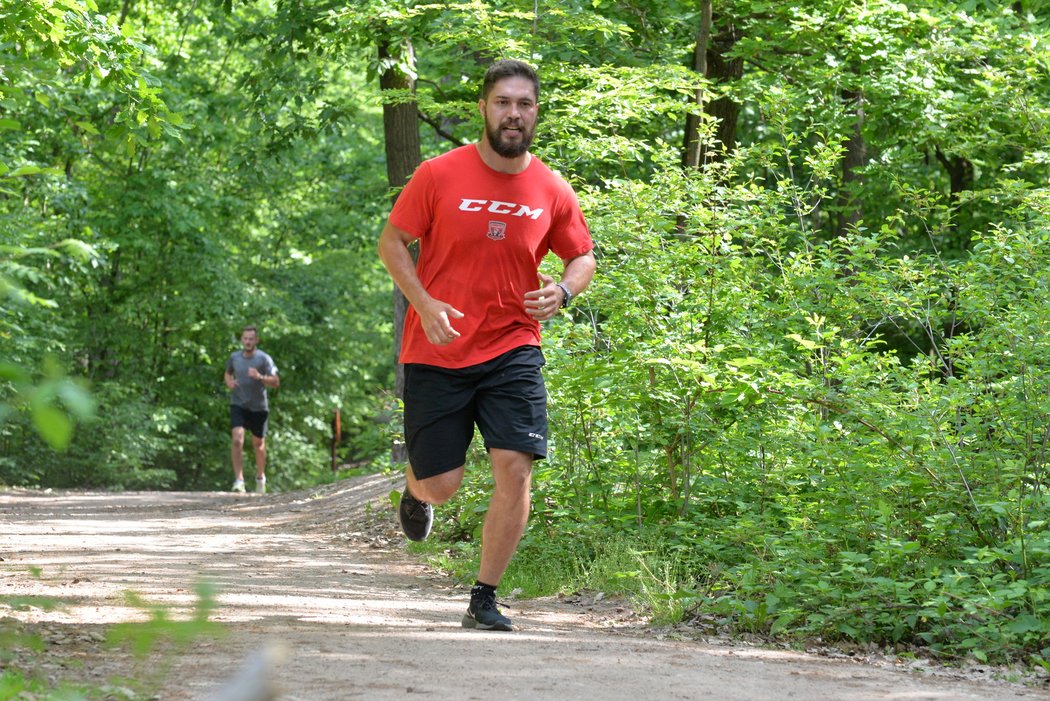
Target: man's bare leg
point(504, 525)
point(237, 453)
point(416, 510)
point(259, 447)
point(508, 513)
point(437, 489)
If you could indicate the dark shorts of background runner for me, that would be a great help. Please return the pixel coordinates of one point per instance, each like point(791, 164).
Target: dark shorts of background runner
point(505, 397)
point(254, 421)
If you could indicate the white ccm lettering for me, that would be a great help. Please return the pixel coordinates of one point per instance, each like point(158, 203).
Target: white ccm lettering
point(496, 207)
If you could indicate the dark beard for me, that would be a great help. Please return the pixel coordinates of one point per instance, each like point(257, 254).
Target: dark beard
point(506, 149)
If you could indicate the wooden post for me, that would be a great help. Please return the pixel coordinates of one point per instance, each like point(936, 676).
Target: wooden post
point(337, 436)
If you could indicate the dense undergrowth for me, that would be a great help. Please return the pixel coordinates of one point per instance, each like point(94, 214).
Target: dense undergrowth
point(741, 438)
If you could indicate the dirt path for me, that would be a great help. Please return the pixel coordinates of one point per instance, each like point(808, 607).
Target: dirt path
point(315, 590)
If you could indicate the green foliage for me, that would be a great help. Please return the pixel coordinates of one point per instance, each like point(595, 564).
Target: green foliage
point(143, 638)
point(52, 403)
point(760, 424)
point(256, 209)
point(156, 643)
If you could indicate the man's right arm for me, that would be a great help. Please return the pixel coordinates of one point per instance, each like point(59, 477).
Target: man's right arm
point(228, 378)
point(434, 314)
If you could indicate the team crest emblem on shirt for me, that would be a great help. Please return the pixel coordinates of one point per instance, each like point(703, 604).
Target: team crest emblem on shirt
point(497, 230)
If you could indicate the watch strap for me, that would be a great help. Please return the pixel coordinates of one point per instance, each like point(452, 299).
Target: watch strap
point(566, 292)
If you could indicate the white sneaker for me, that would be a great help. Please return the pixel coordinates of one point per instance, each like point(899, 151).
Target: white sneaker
point(260, 486)
point(238, 486)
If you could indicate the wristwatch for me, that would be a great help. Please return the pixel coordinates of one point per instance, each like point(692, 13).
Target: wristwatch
point(565, 291)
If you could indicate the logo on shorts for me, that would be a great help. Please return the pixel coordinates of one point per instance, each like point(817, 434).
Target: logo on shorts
point(497, 230)
point(536, 436)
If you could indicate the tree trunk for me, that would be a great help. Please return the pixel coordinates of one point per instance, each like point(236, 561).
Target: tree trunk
point(709, 60)
point(855, 158)
point(960, 178)
point(724, 110)
point(401, 132)
point(692, 121)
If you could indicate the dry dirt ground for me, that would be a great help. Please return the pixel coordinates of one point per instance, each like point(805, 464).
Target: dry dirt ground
point(319, 600)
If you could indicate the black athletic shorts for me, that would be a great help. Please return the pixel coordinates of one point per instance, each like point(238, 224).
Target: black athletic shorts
point(504, 396)
point(254, 421)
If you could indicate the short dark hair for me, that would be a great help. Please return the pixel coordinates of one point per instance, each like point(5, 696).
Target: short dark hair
point(250, 328)
point(509, 68)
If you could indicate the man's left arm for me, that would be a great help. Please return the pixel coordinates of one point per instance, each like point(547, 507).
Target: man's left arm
point(544, 303)
point(577, 274)
point(270, 380)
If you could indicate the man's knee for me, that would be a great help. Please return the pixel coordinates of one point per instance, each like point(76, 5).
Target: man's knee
point(439, 488)
point(512, 470)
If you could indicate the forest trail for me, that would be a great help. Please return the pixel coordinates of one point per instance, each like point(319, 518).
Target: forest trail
point(318, 597)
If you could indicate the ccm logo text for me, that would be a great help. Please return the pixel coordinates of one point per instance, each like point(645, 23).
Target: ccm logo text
point(496, 207)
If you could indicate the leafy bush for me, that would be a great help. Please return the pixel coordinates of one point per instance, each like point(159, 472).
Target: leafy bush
point(738, 393)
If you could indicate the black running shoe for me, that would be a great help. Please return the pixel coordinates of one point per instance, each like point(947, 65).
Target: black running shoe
point(417, 517)
point(483, 614)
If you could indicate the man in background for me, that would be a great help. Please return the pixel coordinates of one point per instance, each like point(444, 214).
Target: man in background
point(249, 373)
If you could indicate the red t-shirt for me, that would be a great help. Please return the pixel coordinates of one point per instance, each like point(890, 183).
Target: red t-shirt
point(482, 235)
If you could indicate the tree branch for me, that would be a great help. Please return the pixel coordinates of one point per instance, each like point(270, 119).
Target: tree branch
point(448, 136)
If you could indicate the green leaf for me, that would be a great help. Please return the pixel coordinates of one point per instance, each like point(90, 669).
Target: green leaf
point(13, 373)
point(25, 170)
point(71, 5)
point(78, 249)
point(1028, 623)
point(88, 127)
point(804, 342)
point(53, 426)
point(77, 399)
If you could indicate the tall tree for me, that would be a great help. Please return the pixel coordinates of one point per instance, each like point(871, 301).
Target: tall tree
point(401, 132)
point(694, 148)
point(855, 157)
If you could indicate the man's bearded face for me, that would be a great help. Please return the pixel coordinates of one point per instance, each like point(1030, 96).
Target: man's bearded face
point(510, 116)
